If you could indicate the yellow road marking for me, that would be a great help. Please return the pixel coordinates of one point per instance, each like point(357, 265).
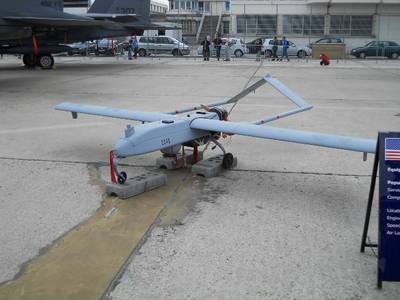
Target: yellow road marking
point(82, 264)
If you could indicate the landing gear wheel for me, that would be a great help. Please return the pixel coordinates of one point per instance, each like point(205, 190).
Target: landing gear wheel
point(227, 161)
point(122, 178)
point(29, 60)
point(45, 61)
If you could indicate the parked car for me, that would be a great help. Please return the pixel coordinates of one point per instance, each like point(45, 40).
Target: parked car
point(377, 48)
point(293, 50)
point(81, 48)
point(161, 45)
point(254, 45)
point(238, 48)
point(327, 40)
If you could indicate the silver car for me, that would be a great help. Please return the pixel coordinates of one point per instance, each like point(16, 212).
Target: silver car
point(161, 45)
point(293, 50)
point(238, 48)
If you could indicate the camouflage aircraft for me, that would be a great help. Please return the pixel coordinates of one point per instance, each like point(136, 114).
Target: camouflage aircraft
point(36, 29)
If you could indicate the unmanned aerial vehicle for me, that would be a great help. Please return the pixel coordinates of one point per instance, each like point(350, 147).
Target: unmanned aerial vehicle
point(204, 124)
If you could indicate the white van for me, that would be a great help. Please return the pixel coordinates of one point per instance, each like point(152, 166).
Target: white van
point(161, 45)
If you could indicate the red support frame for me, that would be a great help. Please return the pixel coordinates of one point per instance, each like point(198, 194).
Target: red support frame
point(112, 169)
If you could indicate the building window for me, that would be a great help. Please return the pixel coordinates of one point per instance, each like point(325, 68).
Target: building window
point(351, 25)
point(201, 5)
point(303, 25)
point(314, 25)
point(256, 24)
point(340, 25)
point(227, 5)
point(189, 26)
point(176, 5)
point(225, 27)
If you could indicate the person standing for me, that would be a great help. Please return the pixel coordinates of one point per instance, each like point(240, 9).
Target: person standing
point(258, 46)
point(217, 46)
point(135, 46)
point(130, 48)
point(206, 48)
point(285, 46)
point(227, 50)
point(274, 48)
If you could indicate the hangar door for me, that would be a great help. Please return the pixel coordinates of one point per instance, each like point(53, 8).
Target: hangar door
point(389, 28)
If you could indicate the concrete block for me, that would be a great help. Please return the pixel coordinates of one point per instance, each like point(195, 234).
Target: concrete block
point(136, 185)
point(173, 163)
point(211, 167)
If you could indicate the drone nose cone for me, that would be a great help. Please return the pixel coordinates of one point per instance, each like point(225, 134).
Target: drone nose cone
point(123, 148)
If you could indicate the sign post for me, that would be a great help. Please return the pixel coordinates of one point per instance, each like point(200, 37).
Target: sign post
point(389, 208)
point(388, 156)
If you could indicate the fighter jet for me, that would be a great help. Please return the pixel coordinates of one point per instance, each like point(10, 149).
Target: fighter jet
point(36, 29)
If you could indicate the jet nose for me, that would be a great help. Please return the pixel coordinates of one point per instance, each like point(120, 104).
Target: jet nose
point(123, 148)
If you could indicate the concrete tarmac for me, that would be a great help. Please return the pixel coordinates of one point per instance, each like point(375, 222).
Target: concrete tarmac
point(286, 223)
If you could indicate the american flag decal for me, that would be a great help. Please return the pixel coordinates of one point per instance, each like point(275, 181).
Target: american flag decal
point(392, 149)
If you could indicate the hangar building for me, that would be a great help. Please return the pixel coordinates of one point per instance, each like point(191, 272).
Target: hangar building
point(356, 21)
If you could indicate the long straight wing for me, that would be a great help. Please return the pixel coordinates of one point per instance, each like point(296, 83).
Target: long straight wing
point(111, 112)
point(288, 135)
point(67, 21)
point(112, 17)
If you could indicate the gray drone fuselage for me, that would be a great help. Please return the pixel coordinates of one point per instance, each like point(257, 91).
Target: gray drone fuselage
point(154, 136)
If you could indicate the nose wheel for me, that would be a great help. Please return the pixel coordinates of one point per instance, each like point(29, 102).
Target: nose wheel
point(116, 176)
point(122, 177)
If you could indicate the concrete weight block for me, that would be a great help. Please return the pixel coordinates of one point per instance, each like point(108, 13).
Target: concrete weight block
point(211, 167)
point(136, 185)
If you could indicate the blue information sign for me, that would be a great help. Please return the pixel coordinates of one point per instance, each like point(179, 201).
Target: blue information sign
point(389, 207)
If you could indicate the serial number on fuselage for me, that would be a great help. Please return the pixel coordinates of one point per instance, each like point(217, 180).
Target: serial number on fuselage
point(165, 142)
point(125, 10)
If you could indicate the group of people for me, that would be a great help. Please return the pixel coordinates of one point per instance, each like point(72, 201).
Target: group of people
point(285, 46)
point(324, 59)
point(206, 44)
point(133, 48)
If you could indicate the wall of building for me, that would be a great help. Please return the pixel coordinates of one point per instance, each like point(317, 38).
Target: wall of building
point(213, 7)
point(389, 28)
point(302, 22)
point(158, 7)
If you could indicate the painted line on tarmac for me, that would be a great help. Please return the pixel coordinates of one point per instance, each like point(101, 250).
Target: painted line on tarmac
point(54, 127)
point(106, 163)
point(85, 262)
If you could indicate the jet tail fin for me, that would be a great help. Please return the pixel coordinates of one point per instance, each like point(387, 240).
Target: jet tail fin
point(140, 8)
